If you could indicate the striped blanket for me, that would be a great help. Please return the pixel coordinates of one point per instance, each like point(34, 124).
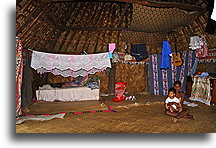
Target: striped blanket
point(161, 80)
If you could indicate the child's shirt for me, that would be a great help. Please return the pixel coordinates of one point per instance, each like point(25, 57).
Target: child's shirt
point(168, 99)
point(176, 100)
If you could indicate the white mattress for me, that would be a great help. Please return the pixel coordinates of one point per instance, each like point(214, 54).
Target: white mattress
point(68, 94)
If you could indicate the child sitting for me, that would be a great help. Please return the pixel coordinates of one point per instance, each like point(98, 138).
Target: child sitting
point(172, 102)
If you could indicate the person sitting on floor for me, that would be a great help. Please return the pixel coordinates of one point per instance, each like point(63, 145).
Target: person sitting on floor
point(180, 95)
point(172, 103)
point(185, 112)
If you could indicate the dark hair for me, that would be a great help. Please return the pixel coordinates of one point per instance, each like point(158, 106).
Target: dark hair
point(172, 89)
point(177, 82)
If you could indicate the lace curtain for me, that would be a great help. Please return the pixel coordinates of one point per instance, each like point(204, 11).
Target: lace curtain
point(70, 65)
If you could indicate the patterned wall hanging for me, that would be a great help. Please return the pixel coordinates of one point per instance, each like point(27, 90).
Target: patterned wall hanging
point(161, 80)
point(210, 58)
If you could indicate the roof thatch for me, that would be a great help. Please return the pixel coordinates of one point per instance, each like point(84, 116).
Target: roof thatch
point(69, 26)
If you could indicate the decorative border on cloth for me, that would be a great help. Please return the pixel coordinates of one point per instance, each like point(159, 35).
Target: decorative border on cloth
point(211, 57)
point(109, 110)
point(165, 81)
point(155, 74)
point(174, 71)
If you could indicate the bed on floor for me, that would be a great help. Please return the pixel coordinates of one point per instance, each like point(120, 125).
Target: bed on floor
point(76, 90)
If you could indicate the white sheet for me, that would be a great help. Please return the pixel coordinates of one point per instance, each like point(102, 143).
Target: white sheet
point(68, 94)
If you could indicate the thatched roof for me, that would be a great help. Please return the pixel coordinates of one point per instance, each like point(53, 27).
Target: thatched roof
point(70, 26)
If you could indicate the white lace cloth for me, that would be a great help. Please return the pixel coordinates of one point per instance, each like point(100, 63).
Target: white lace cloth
point(70, 65)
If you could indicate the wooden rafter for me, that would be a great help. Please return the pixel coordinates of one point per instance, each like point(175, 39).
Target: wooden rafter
point(63, 42)
point(28, 19)
point(48, 16)
point(67, 45)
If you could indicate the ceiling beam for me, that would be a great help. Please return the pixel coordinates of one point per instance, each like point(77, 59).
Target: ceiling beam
point(144, 2)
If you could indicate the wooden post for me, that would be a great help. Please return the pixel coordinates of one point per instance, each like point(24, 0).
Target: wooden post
point(111, 80)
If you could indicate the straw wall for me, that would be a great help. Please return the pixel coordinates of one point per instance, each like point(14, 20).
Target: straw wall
point(133, 75)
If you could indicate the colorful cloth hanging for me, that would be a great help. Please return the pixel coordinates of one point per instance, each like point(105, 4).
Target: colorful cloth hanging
point(112, 47)
point(122, 58)
point(70, 65)
point(201, 90)
point(19, 67)
point(162, 79)
point(210, 58)
point(199, 44)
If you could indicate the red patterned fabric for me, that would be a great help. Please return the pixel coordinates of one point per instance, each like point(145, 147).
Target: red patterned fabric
point(210, 57)
point(19, 67)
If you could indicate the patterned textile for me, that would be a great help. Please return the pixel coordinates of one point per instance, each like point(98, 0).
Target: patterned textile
point(211, 57)
point(203, 51)
point(120, 57)
point(19, 67)
point(201, 90)
point(70, 65)
point(162, 79)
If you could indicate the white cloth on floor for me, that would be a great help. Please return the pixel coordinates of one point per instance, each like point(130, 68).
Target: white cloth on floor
point(70, 65)
point(39, 117)
point(190, 104)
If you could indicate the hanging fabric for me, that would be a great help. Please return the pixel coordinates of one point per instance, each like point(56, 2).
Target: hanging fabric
point(210, 58)
point(199, 44)
point(162, 79)
point(112, 47)
point(195, 42)
point(201, 90)
point(166, 54)
point(70, 65)
point(19, 68)
point(203, 51)
point(139, 52)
